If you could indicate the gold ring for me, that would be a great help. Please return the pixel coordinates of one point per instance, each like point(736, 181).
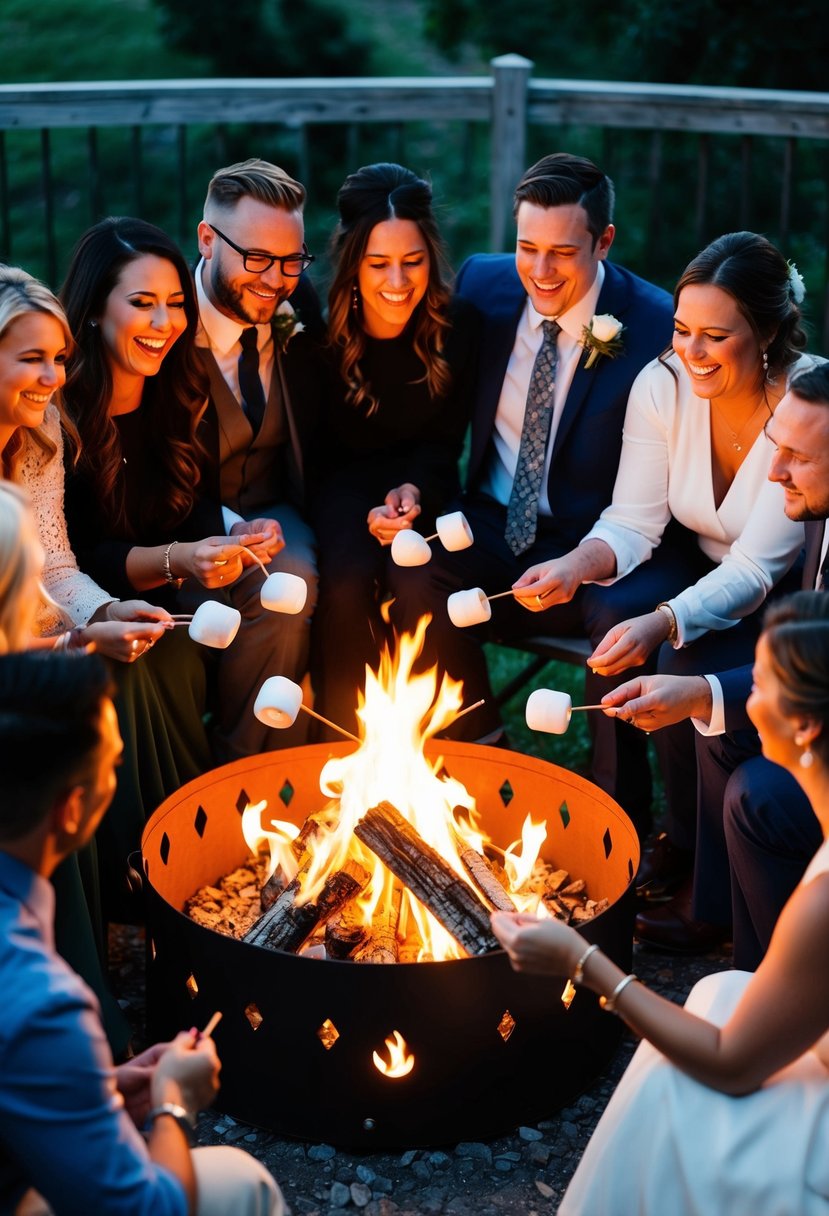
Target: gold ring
point(220, 563)
point(539, 600)
point(135, 645)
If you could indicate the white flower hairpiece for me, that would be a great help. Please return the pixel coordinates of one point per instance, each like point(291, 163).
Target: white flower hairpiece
point(285, 324)
point(796, 284)
point(603, 336)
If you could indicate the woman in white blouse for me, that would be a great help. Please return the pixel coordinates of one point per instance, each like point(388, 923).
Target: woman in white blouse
point(696, 536)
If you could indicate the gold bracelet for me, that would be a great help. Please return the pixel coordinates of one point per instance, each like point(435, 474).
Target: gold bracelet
point(609, 1003)
point(673, 627)
point(578, 974)
point(169, 577)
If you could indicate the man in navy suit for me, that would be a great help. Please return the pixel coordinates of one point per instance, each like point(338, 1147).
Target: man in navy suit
point(756, 832)
point(563, 208)
point(259, 334)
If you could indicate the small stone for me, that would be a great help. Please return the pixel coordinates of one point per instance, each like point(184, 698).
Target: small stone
point(539, 1154)
point(297, 1152)
point(440, 1161)
point(409, 1156)
point(360, 1194)
point(340, 1195)
point(251, 1138)
point(509, 1156)
point(570, 1130)
point(475, 1150)
point(382, 1186)
point(321, 1152)
point(503, 1166)
point(236, 1133)
point(422, 1169)
point(365, 1174)
point(530, 1133)
point(544, 1189)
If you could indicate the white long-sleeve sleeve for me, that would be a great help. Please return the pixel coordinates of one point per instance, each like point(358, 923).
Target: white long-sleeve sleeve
point(665, 471)
point(75, 593)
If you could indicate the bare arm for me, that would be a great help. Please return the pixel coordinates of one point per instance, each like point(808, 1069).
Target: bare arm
point(783, 1012)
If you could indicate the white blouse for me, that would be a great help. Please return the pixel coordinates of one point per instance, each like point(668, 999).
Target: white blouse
point(665, 471)
point(76, 596)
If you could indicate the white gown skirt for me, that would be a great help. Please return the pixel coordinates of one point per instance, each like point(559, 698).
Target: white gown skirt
point(669, 1146)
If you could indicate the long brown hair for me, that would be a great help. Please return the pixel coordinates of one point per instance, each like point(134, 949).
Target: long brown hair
point(176, 397)
point(367, 198)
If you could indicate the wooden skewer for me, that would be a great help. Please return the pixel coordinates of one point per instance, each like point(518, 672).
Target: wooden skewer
point(258, 560)
point(500, 595)
point(469, 709)
point(211, 1025)
point(328, 722)
point(573, 708)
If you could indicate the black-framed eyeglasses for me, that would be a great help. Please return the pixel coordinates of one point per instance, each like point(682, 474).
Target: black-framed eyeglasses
point(291, 265)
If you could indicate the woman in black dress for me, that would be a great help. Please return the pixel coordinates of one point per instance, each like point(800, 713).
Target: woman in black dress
point(404, 353)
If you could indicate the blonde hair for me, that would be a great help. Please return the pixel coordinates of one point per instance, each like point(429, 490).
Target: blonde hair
point(21, 293)
point(19, 570)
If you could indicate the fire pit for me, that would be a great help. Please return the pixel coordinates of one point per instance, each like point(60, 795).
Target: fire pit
point(484, 1049)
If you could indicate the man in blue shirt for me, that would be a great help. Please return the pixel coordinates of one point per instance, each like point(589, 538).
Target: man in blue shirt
point(69, 1120)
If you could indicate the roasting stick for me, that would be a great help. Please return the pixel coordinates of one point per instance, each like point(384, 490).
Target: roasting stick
point(210, 1027)
point(328, 722)
point(468, 710)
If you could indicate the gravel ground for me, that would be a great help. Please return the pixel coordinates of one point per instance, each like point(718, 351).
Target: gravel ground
point(523, 1174)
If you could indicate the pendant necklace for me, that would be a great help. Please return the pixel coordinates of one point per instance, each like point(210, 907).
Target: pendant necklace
point(736, 436)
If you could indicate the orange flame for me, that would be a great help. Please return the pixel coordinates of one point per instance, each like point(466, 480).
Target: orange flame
point(400, 711)
point(400, 1062)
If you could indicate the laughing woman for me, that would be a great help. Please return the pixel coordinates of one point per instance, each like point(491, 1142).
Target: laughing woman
point(398, 411)
point(136, 518)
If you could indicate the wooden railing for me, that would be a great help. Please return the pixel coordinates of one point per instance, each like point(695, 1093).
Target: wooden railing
point(689, 162)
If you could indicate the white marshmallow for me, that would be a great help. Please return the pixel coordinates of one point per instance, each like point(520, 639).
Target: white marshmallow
point(468, 607)
point(215, 624)
point(410, 549)
point(454, 531)
point(549, 711)
point(278, 702)
point(283, 592)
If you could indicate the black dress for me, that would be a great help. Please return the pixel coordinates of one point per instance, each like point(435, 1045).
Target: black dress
point(411, 437)
point(161, 698)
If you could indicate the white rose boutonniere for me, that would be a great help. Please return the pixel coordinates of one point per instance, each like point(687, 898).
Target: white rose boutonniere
point(285, 324)
point(603, 336)
point(796, 284)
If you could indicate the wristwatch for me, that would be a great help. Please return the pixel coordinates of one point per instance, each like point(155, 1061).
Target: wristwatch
point(183, 1118)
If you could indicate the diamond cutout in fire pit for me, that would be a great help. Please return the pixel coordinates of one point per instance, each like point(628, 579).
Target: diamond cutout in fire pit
point(191, 986)
point(200, 822)
point(506, 1025)
point(253, 1015)
point(286, 793)
point(565, 815)
point(328, 1034)
point(507, 793)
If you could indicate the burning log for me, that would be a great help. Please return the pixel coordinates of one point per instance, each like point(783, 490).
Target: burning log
point(346, 932)
point(482, 873)
point(285, 926)
point(420, 868)
point(382, 946)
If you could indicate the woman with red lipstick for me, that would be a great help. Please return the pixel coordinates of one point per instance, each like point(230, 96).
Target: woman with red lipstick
point(404, 356)
point(138, 520)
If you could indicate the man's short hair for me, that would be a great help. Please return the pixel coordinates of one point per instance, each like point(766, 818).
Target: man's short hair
point(561, 179)
point(812, 385)
point(257, 179)
point(50, 730)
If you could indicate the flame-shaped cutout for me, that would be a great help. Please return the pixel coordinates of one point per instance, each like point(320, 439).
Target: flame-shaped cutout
point(400, 1062)
point(192, 987)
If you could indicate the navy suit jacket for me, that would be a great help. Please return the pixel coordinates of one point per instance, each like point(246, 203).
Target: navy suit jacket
point(589, 436)
point(736, 684)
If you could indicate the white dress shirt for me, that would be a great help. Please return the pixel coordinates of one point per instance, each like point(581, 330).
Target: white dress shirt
point(512, 404)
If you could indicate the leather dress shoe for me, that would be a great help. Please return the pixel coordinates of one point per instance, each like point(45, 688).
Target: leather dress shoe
point(662, 869)
point(671, 927)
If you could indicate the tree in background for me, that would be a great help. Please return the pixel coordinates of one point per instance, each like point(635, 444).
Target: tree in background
point(267, 37)
point(749, 43)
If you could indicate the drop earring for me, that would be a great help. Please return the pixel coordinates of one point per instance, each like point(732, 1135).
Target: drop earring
point(806, 757)
point(765, 363)
point(355, 298)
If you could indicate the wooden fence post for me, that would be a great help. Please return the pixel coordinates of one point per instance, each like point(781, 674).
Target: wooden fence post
point(510, 77)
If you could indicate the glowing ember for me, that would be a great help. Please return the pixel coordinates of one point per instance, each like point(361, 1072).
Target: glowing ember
point(400, 712)
point(400, 1062)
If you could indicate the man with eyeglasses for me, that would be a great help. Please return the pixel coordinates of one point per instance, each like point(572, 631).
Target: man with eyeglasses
point(259, 338)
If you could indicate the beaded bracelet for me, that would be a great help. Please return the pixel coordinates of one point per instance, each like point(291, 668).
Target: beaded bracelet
point(578, 974)
point(169, 577)
point(609, 1003)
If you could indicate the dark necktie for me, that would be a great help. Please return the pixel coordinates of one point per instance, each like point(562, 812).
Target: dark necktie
point(250, 385)
point(522, 509)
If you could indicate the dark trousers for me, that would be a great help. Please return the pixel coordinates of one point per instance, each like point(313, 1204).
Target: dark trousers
point(757, 835)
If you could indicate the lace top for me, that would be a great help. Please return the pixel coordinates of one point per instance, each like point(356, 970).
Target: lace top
point(76, 596)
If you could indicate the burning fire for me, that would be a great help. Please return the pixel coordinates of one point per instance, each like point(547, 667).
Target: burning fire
point(400, 712)
point(400, 1062)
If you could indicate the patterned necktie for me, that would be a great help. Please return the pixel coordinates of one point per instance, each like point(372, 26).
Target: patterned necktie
point(250, 384)
point(522, 509)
